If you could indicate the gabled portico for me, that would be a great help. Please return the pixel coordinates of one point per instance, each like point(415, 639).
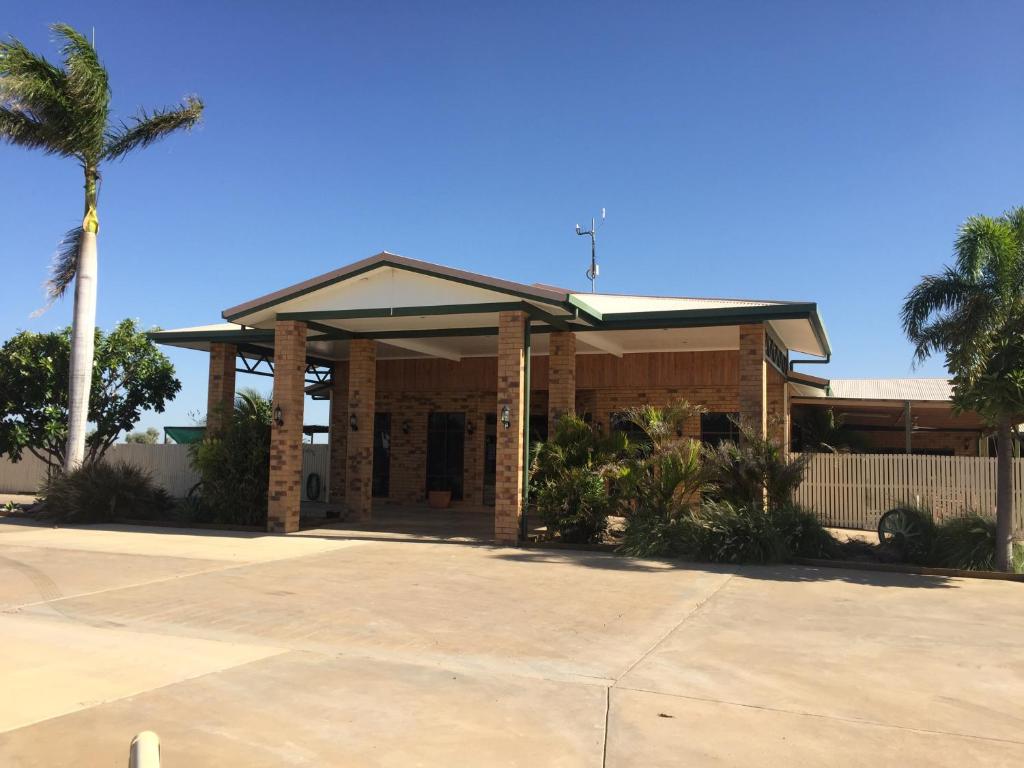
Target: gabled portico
point(458, 365)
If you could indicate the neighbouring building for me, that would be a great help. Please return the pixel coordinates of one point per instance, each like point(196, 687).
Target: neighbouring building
point(440, 378)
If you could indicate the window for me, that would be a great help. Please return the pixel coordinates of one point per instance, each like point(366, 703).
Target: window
point(718, 427)
point(619, 423)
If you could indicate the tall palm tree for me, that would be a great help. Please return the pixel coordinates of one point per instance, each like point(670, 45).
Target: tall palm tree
point(973, 312)
point(65, 111)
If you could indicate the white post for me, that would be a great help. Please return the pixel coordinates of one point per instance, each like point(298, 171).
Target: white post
point(144, 751)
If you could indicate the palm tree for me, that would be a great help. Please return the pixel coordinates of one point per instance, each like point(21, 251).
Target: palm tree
point(973, 312)
point(65, 111)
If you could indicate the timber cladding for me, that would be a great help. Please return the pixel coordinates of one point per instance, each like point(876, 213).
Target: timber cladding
point(480, 374)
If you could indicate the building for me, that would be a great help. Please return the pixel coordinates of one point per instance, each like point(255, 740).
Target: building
point(913, 416)
point(439, 377)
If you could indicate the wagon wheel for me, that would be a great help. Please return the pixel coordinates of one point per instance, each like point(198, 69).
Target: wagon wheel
point(900, 528)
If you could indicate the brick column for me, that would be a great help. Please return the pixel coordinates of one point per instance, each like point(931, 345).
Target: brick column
point(220, 397)
point(561, 376)
point(753, 379)
point(362, 386)
point(285, 492)
point(338, 434)
point(508, 483)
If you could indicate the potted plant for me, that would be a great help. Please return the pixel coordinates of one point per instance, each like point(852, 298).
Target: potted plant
point(439, 499)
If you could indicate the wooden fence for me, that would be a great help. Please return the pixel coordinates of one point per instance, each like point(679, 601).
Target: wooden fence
point(168, 464)
point(854, 490)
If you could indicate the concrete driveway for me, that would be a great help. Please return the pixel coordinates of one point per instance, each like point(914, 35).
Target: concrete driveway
point(319, 649)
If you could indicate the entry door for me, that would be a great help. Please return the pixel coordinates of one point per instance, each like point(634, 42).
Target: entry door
point(490, 457)
point(382, 455)
point(446, 448)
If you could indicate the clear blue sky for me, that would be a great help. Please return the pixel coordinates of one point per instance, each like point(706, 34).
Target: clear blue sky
point(806, 151)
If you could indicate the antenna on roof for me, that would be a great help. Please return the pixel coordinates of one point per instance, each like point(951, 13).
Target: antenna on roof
point(594, 270)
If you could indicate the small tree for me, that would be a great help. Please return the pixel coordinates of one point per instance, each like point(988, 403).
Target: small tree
point(567, 474)
point(754, 471)
point(130, 375)
point(973, 312)
point(150, 437)
point(65, 111)
point(235, 463)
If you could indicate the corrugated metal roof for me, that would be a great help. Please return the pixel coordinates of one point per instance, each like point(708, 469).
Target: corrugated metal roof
point(609, 303)
point(891, 389)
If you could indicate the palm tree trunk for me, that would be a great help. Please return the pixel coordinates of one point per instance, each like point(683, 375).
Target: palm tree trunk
point(83, 331)
point(1004, 497)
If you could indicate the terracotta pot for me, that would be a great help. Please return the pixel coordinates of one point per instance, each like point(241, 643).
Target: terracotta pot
point(439, 499)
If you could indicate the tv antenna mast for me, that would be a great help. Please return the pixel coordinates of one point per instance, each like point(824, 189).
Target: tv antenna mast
point(594, 270)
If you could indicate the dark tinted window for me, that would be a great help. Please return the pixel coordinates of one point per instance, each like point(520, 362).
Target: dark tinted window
point(717, 427)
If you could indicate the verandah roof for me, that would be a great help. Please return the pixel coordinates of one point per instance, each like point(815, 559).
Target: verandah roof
point(417, 309)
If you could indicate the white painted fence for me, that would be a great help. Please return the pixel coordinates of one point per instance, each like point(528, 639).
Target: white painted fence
point(168, 464)
point(854, 490)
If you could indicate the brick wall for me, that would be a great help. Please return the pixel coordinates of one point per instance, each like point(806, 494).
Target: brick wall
point(409, 390)
point(561, 375)
point(753, 378)
point(477, 399)
point(362, 386)
point(285, 492)
point(509, 464)
point(220, 397)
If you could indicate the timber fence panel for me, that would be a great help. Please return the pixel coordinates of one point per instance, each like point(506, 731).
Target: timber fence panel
point(168, 464)
point(855, 490)
point(24, 476)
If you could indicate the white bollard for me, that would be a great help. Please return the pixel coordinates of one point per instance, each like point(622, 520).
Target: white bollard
point(144, 751)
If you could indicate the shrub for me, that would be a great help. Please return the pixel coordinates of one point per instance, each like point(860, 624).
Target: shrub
point(235, 465)
point(102, 492)
point(803, 533)
point(656, 535)
point(568, 473)
point(754, 471)
point(968, 543)
point(728, 533)
point(574, 505)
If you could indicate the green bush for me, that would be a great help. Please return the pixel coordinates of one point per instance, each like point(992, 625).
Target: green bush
point(728, 533)
point(567, 475)
point(655, 535)
point(574, 505)
point(967, 543)
point(235, 465)
point(754, 471)
point(803, 533)
point(102, 492)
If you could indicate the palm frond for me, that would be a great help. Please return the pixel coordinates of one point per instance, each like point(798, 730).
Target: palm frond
point(87, 88)
point(65, 263)
point(32, 101)
point(150, 127)
point(28, 79)
point(20, 129)
point(981, 241)
point(935, 295)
